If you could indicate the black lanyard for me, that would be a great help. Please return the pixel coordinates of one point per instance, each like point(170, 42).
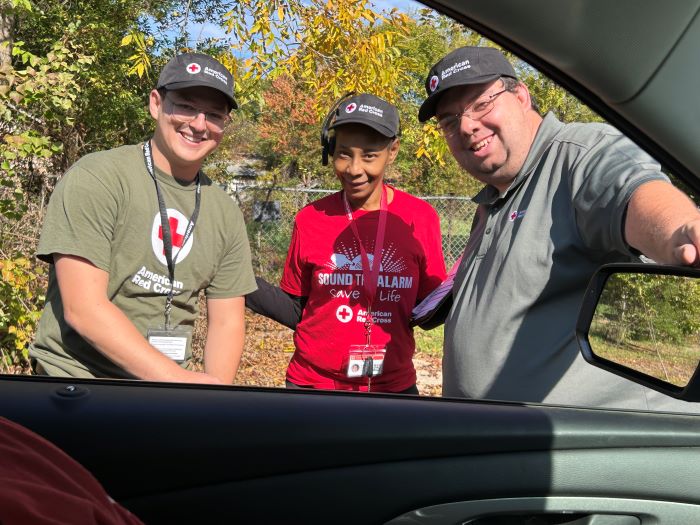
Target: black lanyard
point(165, 225)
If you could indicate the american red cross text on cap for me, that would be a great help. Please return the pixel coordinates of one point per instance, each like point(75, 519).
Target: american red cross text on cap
point(194, 70)
point(371, 111)
point(463, 66)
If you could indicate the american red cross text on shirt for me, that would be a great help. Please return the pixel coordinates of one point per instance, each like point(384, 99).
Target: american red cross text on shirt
point(176, 237)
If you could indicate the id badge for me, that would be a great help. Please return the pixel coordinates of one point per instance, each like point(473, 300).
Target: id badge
point(366, 360)
point(172, 343)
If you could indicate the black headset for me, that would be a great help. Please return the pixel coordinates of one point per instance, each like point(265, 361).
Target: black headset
point(328, 142)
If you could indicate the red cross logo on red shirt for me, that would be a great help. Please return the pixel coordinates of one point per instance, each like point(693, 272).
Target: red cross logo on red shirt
point(175, 237)
point(343, 314)
point(193, 68)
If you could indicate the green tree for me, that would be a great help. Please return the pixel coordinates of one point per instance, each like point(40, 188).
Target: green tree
point(63, 92)
point(645, 307)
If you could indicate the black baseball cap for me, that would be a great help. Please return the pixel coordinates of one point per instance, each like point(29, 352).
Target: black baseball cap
point(371, 111)
point(464, 66)
point(197, 69)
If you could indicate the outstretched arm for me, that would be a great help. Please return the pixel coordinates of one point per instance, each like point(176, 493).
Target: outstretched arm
point(663, 224)
point(273, 302)
point(88, 310)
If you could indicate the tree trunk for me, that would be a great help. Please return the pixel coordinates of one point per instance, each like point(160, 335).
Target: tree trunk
point(6, 24)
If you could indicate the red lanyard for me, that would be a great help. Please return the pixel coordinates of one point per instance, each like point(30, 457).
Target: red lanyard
point(370, 277)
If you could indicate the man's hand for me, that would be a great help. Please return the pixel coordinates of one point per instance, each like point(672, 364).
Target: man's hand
point(687, 244)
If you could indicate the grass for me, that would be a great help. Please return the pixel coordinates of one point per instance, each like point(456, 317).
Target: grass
point(430, 341)
point(674, 363)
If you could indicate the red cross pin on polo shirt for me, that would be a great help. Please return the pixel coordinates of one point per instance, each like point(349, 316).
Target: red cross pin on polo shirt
point(515, 215)
point(193, 68)
point(178, 226)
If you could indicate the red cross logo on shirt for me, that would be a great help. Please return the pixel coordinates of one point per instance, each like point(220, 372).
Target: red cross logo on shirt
point(434, 82)
point(351, 107)
point(343, 313)
point(193, 68)
point(175, 237)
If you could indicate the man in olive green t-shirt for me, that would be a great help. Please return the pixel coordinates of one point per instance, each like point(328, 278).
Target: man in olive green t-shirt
point(134, 234)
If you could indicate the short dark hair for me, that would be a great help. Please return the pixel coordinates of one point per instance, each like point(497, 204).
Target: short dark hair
point(511, 84)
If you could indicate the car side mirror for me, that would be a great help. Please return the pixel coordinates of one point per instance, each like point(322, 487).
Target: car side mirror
point(642, 322)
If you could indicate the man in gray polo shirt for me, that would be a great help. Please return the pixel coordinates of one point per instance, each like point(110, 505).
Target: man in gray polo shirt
point(560, 200)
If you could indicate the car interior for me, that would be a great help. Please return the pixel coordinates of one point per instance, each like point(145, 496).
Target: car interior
point(206, 454)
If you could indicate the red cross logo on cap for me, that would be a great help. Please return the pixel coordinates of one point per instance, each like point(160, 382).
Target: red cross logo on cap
point(350, 107)
point(193, 68)
point(434, 81)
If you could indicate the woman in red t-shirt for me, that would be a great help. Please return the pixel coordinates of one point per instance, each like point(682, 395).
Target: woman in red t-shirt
point(351, 317)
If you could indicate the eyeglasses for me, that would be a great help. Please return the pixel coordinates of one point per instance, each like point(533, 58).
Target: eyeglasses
point(450, 124)
point(187, 113)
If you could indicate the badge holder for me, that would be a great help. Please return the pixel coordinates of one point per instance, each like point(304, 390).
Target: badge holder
point(171, 342)
point(366, 360)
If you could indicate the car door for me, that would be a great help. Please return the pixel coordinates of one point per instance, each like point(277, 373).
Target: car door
point(205, 454)
point(237, 455)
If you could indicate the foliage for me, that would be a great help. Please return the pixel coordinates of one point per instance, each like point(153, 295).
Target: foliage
point(651, 307)
point(289, 130)
point(33, 95)
point(330, 47)
point(18, 314)
point(63, 92)
point(551, 97)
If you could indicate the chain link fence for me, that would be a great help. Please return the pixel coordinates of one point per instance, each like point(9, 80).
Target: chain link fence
point(269, 215)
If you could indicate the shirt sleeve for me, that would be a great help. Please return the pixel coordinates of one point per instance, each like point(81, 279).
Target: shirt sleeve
point(433, 265)
point(603, 183)
point(273, 302)
point(234, 276)
point(80, 219)
point(296, 278)
point(40, 482)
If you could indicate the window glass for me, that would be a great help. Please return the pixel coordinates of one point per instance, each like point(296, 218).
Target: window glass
point(541, 231)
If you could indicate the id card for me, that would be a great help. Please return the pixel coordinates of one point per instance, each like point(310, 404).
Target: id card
point(172, 343)
point(365, 360)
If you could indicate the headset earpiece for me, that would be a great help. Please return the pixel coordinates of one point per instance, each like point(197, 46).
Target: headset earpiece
point(331, 146)
point(328, 142)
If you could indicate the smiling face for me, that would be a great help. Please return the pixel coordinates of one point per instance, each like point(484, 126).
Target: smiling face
point(360, 159)
point(494, 148)
point(179, 147)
